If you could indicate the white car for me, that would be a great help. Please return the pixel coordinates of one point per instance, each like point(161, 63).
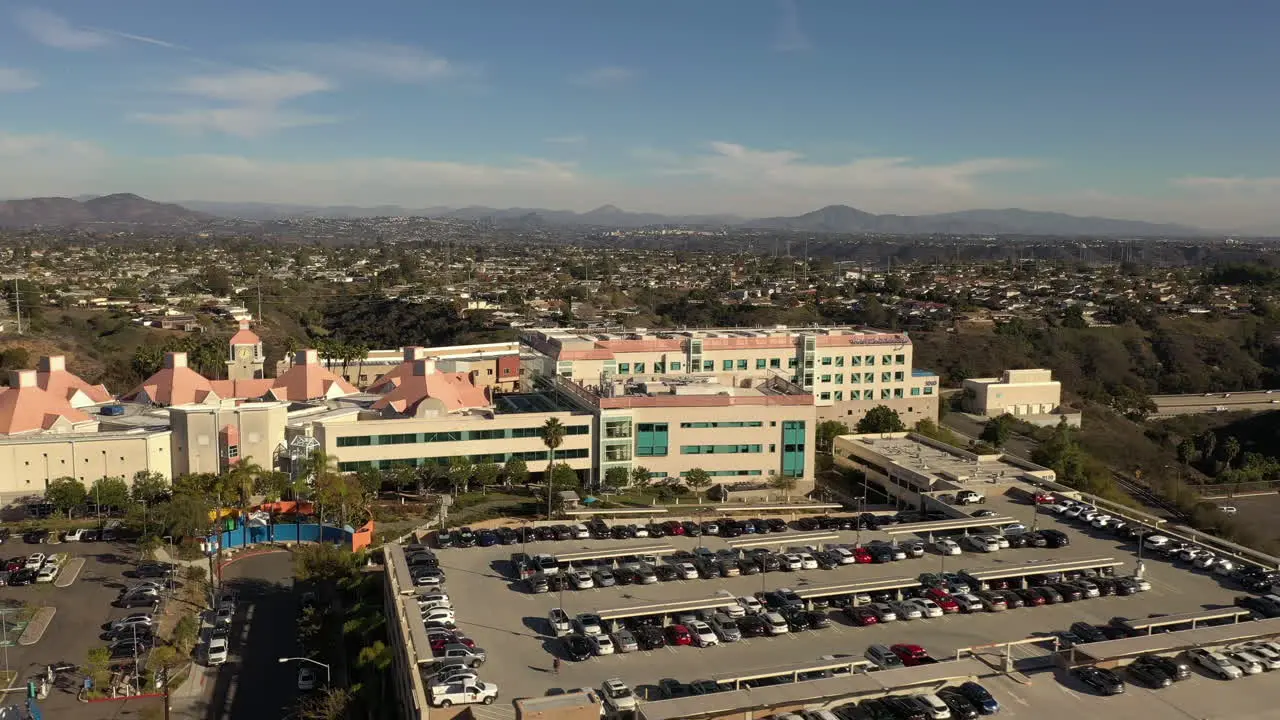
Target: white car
point(1002, 541)
point(139, 619)
point(1206, 561)
point(703, 635)
point(927, 607)
point(1191, 554)
point(946, 546)
point(1248, 662)
point(791, 561)
point(777, 624)
point(1100, 521)
point(601, 645)
point(1014, 528)
point(1155, 542)
point(581, 532)
point(217, 653)
point(844, 555)
point(1265, 655)
point(617, 696)
point(687, 571)
point(589, 624)
point(884, 612)
point(453, 675)
point(438, 615)
point(581, 580)
point(1268, 648)
point(1216, 663)
point(734, 611)
point(906, 611)
point(1088, 589)
point(1056, 508)
point(983, 543)
point(932, 706)
point(968, 602)
point(1074, 511)
point(807, 562)
point(464, 693)
point(47, 574)
point(75, 535)
point(436, 600)
point(751, 605)
point(34, 561)
point(1224, 566)
point(560, 623)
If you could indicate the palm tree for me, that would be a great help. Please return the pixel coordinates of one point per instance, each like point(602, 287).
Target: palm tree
point(290, 347)
point(359, 353)
point(552, 437)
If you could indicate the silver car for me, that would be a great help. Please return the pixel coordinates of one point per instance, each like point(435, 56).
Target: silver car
point(624, 641)
point(906, 610)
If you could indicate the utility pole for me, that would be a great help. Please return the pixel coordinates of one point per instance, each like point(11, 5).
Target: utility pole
point(17, 304)
point(259, 297)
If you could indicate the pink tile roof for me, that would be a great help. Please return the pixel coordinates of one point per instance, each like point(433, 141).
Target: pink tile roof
point(245, 336)
point(454, 391)
point(53, 378)
point(175, 384)
point(249, 388)
point(25, 407)
point(391, 378)
point(309, 380)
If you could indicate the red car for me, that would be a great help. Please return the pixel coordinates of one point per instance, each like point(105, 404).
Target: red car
point(944, 600)
point(15, 564)
point(862, 616)
point(673, 528)
point(1044, 498)
point(911, 655)
point(862, 555)
point(679, 635)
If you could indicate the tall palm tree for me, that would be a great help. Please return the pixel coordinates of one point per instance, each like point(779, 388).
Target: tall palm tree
point(359, 353)
point(552, 437)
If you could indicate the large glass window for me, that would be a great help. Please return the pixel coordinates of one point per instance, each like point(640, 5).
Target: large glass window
point(760, 363)
point(651, 440)
point(617, 453)
point(708, 365)
point(775, 363)
point(793, 441)
point(726, 365)
point(675, 366)
point(742, 364)
point(617, 429)
point(624, 368)
point(826, 360)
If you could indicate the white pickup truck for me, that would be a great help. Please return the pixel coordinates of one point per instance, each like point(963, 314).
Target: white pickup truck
point(464, 693)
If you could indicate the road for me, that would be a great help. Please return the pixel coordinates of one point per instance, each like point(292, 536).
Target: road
point(1256, 400)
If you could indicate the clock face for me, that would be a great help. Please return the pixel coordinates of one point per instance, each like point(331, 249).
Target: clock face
point(246, 352)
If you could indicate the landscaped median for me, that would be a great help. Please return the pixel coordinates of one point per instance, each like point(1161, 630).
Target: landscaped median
point(36, 626)
point(69, 572)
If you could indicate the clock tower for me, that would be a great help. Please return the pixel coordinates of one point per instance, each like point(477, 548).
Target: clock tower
point(246, 357)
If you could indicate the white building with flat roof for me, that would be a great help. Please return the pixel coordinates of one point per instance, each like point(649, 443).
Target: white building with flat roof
point(1020, 393)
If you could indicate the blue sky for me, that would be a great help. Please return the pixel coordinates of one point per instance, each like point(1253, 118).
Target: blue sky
point(1152, 109)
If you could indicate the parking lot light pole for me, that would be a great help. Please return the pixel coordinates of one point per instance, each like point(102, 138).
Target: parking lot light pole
point(172, 560)
point(328, 678)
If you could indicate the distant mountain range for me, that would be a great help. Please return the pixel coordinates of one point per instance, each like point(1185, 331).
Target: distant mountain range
point(131, 209)
point(123, 208)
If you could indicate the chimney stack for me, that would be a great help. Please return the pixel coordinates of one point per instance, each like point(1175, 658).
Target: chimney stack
point(22, 379)
point(307, 357)
point(53, 363)
point(424, 367)
point(244, 324)
point(414, 353)
point(175, 360)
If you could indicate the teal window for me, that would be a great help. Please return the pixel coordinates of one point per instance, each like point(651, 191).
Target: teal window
point(826, 378)
point(726, 365)
point(886, 359)
point(675, 366)
point(915, 392)
point(839, 378)
point(825, 396)
point(760, 363)
point(839, 361)
point(742, 364)
point(855, 394)
point(928, 391)
point(870, 360)
point(718, 449)
point(855, 378)
point(897, 392)
point(886, 377)
point(839, 395)
point(708, 365)
point(355, 441)
point(624, 368)
point(855, 361)
point(899, 359)
point(793, 441)
point(898, 377)
point(651, 440)
point(884, 394)
point(775, 362)
point(639, 368)
point(869, 377)
point(826, 360)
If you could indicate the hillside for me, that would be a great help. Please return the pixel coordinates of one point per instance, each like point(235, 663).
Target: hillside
point(845, 219)
point(122, 208)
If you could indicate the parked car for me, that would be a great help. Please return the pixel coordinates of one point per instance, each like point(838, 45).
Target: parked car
point(1100, 679)
point(1215, 662)
point(883, 657)
point(463, 693)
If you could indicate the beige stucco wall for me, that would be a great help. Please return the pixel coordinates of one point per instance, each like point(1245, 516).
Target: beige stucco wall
point(197, 429)
point(1019, 392)
point(32, 460)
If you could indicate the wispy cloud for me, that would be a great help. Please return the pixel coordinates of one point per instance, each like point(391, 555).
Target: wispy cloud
point(791, 37)
point(54, 30)
point(566, 140)
point(393, 62)
point(142, 39)
point(1230, 184)
point(607, 76)
point(254, 103)
point(15, 80)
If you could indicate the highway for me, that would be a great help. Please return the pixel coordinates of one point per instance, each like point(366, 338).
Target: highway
point(1246, 400)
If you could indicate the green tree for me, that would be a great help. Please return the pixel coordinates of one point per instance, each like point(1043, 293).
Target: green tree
point(486, 474)
point(640, 476)
point(552, 437)
point(460, 471)
point(1206, 442)
point(881, 419)
point(185, 515)
point(697, 479)
point(186, 633)
point(323, 563)
point(564, 477)
point(617, 476)
point(1073, 317)
point(370, 481)
point(66, 494)
point(1187, 452)
point(515, 472)
point(783, 483)
point(1061, 453)
point(826, 433)
point(1230, 449)
point(328, 704)
point(149, 488)
point(997, 431)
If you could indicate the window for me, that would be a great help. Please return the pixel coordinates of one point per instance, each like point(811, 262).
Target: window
point(617, 453)
point(825, 396)
point(855, 361)
point(529, 432)
point(659, 367)
point(675, 366)
point(442, 436)
point(839, 395)
point(760, 363)
point(791, 362)
point(897, 393)
point(742, 364)
point(793, 441)
point(915, 392)
point(624, 368)
point(726, 365)
point(487, 434)
point(574, 454)
point(808, 363)
point(355, 441)
point(826, 360)
point(839, 378)
point(928, 391)
point(839, 361)
point(639, 368)
point(868, 377)
point(884, 394)
point(708, 365)
point(855, 378)
point(578, 430)
point(723, 473)
point(651, 440)
point(734, 424)
point(617, 429)
point(886, 359)
point(898, 377)
point(870, 360)
point(899, 359)
point(886, 377)
point(775, 363)
point(718, 449)
point(855, 394)
point(826, 378)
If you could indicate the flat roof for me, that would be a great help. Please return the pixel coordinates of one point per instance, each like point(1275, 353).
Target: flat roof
point(1179, 618)
point(1043, 567)
point(613, 553)
point(667, 607)
point(814, 591)
point(617, 511)
point(1179, 640)
point(780, 539)
point(930, 458)
point(792, 507)
point(798, 667)
point(839, 687)
point(945, 525)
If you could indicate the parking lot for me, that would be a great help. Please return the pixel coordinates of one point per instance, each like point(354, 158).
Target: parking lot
point(512, 626)
point(82, 610)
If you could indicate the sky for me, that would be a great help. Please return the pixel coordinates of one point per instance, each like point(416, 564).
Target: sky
point(1164, 110)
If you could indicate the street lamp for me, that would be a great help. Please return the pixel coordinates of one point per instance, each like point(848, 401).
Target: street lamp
point(172, 559)
point(328, 679)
